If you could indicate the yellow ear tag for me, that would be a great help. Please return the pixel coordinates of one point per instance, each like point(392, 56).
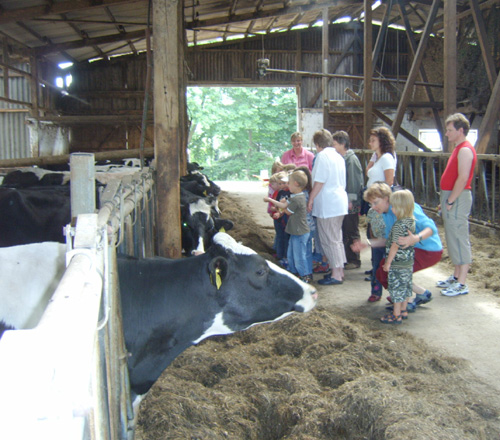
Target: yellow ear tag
point(218, 279)
point(222, 230)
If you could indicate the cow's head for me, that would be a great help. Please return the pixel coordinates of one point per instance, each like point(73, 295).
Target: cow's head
point(250, 289)
point(200, 224)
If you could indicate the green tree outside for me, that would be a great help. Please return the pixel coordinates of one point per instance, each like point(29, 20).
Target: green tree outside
point(237, 131)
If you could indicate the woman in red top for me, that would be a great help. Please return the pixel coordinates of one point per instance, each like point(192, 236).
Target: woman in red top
point(456, 203)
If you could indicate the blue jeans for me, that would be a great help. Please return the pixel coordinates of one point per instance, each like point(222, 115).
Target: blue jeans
point(281, 239)
point(298, 254)
point(377, 255)
point(309, 251)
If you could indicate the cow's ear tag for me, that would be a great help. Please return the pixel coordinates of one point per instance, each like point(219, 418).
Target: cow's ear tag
point(218, 279)
point(217, 269)
point(222, 230)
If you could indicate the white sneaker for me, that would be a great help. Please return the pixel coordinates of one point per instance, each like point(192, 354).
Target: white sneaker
point(446, 283)
point(456, 289)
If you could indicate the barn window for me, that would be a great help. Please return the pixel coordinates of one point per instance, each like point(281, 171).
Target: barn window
point(430, 137)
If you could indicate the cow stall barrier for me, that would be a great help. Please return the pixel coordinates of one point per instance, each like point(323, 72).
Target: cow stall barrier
point(67, 378)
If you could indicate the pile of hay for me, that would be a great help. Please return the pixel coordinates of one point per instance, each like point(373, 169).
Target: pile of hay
point(316, 376)
point(322, 375)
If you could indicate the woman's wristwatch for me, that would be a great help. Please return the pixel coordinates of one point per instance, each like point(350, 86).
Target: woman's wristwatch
point(448, 203)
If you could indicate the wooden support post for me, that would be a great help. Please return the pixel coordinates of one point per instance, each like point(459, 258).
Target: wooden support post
point(489, 63)
point(5, 59)
point(450, 62)
point(324, 80)
point(381, 35)
point(428, 90)
point(34, 113)
point(368, 72)
point(167, 17)
point(490, 118)
point(183, 117)
point(415, 68)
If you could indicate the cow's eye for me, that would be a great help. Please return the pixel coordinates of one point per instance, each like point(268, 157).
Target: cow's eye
point(261, 272)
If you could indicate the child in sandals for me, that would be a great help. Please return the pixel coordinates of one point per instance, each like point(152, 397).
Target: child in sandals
point(399, 261)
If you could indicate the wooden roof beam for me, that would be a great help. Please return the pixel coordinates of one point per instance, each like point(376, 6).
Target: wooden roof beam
point(113, 38)
point(439, 26)
point(14, 15)
point(277, 12)
point(489, 63)
point(490, 119)
point(45, 40)
point(415, 68)
point(423, 73)
point(84, 36)
point(120, 28)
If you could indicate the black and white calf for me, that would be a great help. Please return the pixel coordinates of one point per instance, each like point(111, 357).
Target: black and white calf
point(200, 218)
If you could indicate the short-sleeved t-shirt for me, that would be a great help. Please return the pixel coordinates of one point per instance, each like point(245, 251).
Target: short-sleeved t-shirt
point(297, 222)
point(303, 159)
point(376, 173)
point(404, 257)
point(377, 223)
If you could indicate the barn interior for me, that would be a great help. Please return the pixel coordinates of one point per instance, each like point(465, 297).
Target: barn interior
point(109, 77)
point(402, 63)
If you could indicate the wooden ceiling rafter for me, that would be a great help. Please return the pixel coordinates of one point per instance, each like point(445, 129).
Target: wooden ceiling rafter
point(249, 28)
point(14, 15)
point(295, 21)
point(120, 28)
point(269, 27)
point(83, 21)
point(84, 36)
point(112, 38)
point(277, 11)
point(44, 40)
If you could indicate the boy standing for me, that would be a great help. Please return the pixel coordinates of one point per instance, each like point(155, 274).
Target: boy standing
point(297, 227)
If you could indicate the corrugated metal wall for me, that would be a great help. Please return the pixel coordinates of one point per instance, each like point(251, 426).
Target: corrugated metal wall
point(14, 136)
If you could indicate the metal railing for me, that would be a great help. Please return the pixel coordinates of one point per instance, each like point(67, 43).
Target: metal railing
point(421, 173)
point(68, 376)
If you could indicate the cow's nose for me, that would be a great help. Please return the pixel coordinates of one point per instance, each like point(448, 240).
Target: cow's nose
point(315, 296)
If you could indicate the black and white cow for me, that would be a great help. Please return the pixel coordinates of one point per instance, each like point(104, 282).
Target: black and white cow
point(167, 305)
point(31, 211)
point(33, 215)
point(199, 184)
point(200, 221)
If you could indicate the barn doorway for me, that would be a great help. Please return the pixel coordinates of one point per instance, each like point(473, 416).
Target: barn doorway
point(236, 132)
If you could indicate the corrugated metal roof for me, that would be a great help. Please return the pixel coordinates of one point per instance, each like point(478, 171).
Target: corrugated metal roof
point(67, 30)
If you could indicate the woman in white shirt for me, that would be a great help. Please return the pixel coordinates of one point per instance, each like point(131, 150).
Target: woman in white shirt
point(383, 144)
point(328, 203)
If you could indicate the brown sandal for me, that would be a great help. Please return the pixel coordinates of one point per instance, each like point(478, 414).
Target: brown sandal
point(391, 319)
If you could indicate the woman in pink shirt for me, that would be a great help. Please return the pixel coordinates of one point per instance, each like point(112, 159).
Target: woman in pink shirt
point(298, 155)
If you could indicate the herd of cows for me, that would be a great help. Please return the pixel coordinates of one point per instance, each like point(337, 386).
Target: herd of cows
point(219, 287)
